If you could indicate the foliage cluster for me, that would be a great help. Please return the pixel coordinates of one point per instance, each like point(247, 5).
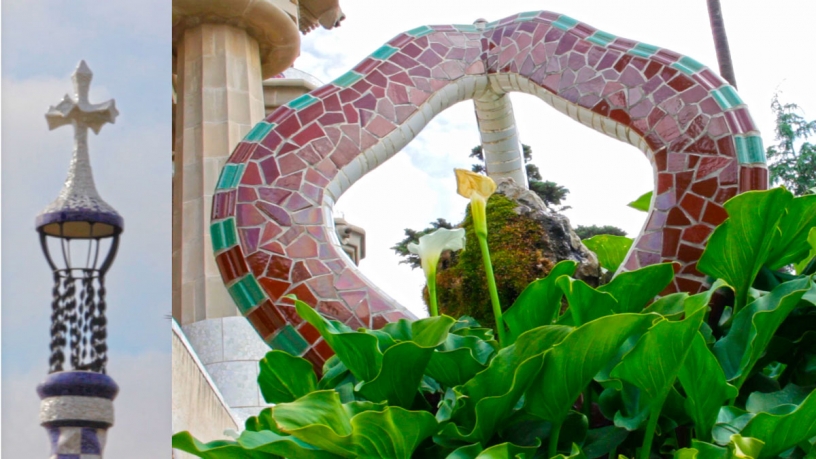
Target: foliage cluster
point(794, 169)
point(616, 373)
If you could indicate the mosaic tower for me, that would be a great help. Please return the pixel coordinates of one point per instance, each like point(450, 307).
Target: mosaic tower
point(79, 234)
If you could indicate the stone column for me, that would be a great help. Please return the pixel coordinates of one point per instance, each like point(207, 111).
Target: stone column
point(220, 98)
point(500, 139)
point(77, 410)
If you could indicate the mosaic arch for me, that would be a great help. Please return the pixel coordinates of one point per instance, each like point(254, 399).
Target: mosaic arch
point(272, 212)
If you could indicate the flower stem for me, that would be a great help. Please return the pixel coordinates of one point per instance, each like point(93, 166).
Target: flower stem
point(432, 294)
point(645, 451)
point(491, 285)
point(555, 432)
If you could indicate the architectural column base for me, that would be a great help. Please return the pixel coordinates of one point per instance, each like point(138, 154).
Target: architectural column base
point(77, 410)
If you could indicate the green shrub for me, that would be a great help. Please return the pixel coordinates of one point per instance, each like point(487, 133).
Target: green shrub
point(616, 373)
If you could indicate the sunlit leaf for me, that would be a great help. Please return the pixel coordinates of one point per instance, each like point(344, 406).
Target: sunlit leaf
point(611, 250)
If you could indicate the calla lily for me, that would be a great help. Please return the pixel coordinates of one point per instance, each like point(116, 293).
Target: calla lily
point(478, 188)
point(430, 249)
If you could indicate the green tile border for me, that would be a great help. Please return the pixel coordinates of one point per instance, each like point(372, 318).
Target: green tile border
point(527, 16)
point(224, 234)
point(384, 52)
point(564, 22)
point(601, 38)
point(644, 50)
point(301, 102)
point(289, 340)
point(420, 31)
point(247, 293)
point(259, 131)
point(750, 149)
point(347, 79)
point(230, 176)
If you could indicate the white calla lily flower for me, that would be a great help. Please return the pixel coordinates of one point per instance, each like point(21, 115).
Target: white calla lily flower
point(430, 249)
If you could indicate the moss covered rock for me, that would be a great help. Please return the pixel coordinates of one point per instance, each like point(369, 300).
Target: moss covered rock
point(526, 240)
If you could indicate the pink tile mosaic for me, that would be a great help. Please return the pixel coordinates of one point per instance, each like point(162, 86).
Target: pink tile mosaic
point(695, 126)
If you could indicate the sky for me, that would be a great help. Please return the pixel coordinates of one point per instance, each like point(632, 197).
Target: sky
point(127, 46)
point(417, 185)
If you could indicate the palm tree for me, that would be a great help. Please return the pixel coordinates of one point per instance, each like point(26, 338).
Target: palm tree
point(721, 42)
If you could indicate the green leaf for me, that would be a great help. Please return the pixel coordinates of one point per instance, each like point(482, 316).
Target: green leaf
point(459, 359)
point(705, 385)
point(539, 303)
point(358, 351)
point(599, 442)
point(575, 453)
point(656, 360)
point(791, 244)
point(780, 432)
point(611, 250)
point(285, 378)
point(790, 395)
point(754, 326)
point(250, 445)
point(642, 203)
point(505, 450)
point(670, 306)
point(586, 303)
point(357, 429)
point(573, 362)
point(635, 289)
point(392, 433)
point(488, 399)
point(739, 247)
point(811, 239)
point(404, 363)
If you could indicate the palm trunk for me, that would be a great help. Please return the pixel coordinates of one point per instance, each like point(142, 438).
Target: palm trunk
point(721, 42)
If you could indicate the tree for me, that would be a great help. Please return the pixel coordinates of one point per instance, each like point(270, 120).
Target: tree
point(550, 192)
point(795, 170)
point(715, 17)
point(586, 232)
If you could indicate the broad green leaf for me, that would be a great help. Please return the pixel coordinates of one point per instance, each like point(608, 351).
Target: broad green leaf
point(702, 450)
point(539, 303)
point(780, 432)
point(599, 442)
point(250, 445)
point(357, 429)
point(791, 244)
point(459, 359)
point(611, 250)
point(635, 289)
point(730, 420)
point(573, 362)
point(670, 306)
point(642, 203)
point(790, 395)
point(745, 447)
point(705, 385)
point(318, 419)
point(811, 239)
point(404, 363)
point(586, 303)
point(505, 450)
point(488, 399)
point(754, 326)
point(739, 247)
point(285, 378)
point(575, 453)
point(392, 433)
point(358, 351)
point(656, 359)
point(399, 378)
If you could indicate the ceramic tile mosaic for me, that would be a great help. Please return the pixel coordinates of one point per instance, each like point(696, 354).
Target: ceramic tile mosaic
point(76, 442)
point(272, 228)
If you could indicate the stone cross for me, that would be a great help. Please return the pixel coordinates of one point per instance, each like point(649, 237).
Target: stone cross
point(79, 192)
